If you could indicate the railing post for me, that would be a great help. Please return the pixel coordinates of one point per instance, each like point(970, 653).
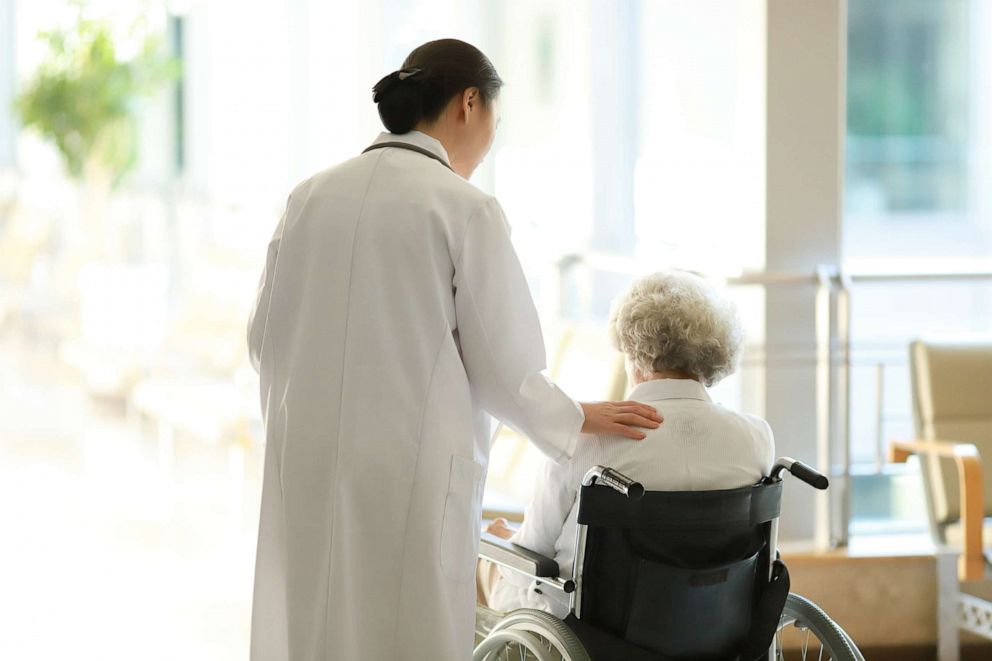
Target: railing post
point(842, 430)
point(879, 416)
point(822, 530)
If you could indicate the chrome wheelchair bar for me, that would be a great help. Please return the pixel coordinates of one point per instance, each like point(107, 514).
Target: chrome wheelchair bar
point(575, 597)
point(613, 479)
point(523, 561)
point(564, 585)
point(618, 482)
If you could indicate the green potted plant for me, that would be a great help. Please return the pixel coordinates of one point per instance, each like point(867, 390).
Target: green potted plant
point(83, 99)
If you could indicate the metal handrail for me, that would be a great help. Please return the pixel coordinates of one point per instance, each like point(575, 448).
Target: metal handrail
point(932, 276)
point(632, 266)
point(628, 265)
point(843, 282)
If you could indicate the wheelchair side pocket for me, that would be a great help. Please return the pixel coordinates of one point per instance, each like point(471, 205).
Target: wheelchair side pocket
point(460, 523)
point(673, 610)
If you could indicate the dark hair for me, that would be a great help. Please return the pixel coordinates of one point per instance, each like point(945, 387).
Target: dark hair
point(431, 75)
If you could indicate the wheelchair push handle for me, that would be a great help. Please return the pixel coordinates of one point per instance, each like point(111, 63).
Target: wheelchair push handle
point(800, 470)
point(615, 480)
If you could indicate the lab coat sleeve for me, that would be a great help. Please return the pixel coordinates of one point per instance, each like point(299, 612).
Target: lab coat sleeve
point(257, 320)
point(501, 341)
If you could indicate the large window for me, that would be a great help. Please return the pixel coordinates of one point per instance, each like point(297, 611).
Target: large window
point(917, 200)
point(908, 107)
point(918, 143)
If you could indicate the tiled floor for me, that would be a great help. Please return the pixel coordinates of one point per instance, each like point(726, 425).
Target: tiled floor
point(103, 555)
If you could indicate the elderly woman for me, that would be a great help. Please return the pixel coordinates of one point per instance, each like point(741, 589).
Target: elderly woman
point(678, 336)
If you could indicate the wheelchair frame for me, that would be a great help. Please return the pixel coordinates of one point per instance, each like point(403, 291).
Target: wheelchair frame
point(545, 570)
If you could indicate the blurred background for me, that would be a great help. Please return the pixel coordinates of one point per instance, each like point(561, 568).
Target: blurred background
point(147, 149)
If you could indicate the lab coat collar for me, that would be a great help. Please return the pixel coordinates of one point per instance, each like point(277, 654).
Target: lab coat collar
point(418, 139)
point(651, 391)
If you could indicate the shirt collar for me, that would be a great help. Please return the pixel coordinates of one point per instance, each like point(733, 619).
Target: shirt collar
point(651, 391)
point(422, 140)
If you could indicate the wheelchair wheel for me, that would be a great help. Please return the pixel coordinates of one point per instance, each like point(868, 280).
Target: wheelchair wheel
point(806, 632)
point(533, 635)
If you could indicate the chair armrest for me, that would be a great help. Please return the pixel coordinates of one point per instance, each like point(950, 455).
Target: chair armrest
point(900, 451)
point(515, 557)
point(971, 564)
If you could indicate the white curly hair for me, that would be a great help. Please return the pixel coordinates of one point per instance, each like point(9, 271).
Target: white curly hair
point(676, 321)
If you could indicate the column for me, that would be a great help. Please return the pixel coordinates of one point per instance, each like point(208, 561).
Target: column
point(805, 129)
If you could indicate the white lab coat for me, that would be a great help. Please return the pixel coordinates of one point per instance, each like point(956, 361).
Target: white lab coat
point(392, 317)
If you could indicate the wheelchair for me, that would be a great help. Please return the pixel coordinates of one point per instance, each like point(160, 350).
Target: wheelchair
point(666, 576)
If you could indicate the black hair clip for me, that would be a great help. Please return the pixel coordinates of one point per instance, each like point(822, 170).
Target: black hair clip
point(389, 82)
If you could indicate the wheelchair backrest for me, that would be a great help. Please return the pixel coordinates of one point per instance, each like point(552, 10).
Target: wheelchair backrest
point(676, 573)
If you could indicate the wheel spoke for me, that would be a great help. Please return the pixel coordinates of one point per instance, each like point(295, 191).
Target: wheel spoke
point(804, 641)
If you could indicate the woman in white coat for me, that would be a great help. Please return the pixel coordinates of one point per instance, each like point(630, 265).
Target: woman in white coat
point(392, 320)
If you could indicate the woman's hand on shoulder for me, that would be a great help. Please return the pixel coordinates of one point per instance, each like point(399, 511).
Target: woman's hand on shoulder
point(620, 418)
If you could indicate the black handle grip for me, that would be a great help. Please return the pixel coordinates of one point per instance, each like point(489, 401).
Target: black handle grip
point(622, 483)
point(809, 476)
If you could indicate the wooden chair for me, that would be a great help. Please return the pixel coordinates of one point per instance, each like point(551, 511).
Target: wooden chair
point(952, 410)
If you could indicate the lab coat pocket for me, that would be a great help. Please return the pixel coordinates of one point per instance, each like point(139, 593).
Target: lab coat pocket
point(460, 524)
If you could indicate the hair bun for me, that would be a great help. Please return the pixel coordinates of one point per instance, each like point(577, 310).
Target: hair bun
point(391, 81)
point(400, 99)
point(431, 76)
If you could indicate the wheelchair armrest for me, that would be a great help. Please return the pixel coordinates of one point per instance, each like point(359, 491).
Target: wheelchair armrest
point(503, 552)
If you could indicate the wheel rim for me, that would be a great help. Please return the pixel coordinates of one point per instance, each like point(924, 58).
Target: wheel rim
point(516, 645)
point(805, 632)
point(551, 638)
